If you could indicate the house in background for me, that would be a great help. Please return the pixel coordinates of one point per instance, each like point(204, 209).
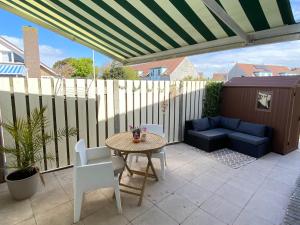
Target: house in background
point(219, 77)
point(291, 72)
point(170, 69)
point(252, 70)
point(16, 62)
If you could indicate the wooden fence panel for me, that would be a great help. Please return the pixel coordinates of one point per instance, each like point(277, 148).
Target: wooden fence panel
point(155, 102)
point(172, 94)
point(183, 109)
point(92, 118)
point(137, 102)
point(202, 87)
point(60, 123)
point(188, 100)
point(161, 102)
point(165, 112)
point(34, 92)
point(129, 103)
point(122, 105)
point(101, 111)
point(19, 90)
point(70, 112)
point(47, 98)
point(177, 112)
point(110, 108)
point(143, 102)
point(81, 107)
point(149, 101)
point(197, 98)
point(6, 114)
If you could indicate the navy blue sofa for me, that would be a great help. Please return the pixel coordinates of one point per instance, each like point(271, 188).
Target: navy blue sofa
point(212, 133)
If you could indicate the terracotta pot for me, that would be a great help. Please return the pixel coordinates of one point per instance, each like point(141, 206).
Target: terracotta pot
point(22, 188)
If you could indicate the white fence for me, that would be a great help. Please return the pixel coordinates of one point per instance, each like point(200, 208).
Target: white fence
point(98, 109)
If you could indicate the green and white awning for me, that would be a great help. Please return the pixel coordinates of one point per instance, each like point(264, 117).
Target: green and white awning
point(134, 31)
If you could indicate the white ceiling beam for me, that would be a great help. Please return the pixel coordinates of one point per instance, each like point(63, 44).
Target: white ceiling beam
point(274, 35)
point(222, 15)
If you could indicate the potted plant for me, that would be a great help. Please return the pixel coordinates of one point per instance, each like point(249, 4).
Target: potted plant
point(136, 134)
point(29, 135)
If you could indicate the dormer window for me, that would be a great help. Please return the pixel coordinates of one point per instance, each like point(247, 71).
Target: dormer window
point(6, 56)
point(155, 73)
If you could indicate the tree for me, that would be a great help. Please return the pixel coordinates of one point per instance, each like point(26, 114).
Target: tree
point(64, 68)
point(192, 78)
point(73, 67)
point(117, 72)
point(83, 67)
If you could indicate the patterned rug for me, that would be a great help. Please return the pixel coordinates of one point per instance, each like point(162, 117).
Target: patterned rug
point(229, 157)
point(292, 214)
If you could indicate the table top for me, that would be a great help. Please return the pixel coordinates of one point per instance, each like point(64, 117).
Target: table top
point(123, 142)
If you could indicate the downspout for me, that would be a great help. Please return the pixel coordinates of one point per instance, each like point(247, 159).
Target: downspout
point(2, 158)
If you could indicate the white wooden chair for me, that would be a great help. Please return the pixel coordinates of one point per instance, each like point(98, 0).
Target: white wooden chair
point(160, 154)
point(95, 168)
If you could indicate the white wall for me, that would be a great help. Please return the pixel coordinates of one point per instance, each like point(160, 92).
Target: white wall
point(185, 68)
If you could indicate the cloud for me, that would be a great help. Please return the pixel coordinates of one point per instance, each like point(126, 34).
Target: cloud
point(285, 53)
point(49, 55)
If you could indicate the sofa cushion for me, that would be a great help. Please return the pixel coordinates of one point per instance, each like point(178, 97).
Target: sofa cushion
point(201, 124)
point(229, 123)
point(254, 140)
point(223, 130)
point(214, 121)
point(252, 128)
point(208, 134)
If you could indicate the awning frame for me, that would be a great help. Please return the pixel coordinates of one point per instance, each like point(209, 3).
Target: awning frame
point(243, 39)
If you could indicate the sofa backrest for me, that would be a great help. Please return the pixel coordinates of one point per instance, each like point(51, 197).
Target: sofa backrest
point(229, 123)
point(201, 124)
point(252, 129)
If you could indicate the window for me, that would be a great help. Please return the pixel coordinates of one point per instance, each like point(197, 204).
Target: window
point(155, 73)
point(263, 74)
point(6, 56)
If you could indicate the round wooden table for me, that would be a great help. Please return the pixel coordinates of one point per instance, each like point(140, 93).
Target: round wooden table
point(123, 144)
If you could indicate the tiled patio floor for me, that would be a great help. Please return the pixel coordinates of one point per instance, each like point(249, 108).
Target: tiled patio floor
point(197, 191)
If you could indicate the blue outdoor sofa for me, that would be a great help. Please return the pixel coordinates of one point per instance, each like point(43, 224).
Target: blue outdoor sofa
point(212, 133)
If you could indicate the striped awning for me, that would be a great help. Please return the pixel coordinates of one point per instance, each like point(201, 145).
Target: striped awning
point(12, 70)
point(134, 31)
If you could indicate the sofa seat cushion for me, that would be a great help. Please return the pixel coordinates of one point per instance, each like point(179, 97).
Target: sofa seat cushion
point(254, 140)
point(223, 130)
point(252, 129)
point(229, 123)
point(208, 134)
point(201, 124)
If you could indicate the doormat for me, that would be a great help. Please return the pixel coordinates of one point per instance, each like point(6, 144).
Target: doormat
point(229, 157)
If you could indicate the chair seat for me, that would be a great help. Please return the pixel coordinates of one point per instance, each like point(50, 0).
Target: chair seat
point(157, 151)
point(117, 163)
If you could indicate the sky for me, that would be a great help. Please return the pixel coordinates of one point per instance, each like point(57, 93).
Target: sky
point(55, 47)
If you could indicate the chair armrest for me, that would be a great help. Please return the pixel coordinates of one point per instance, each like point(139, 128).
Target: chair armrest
point(188, 125)
point(98, 152)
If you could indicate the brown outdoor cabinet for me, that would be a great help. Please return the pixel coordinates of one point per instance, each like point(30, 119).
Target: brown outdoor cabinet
point(248, 98)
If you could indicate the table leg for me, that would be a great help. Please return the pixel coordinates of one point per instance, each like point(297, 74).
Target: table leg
point(145, 180)
point(152, 167)
point(127, 167)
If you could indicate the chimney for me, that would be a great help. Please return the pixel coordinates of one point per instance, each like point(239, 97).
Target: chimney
point(31, 51)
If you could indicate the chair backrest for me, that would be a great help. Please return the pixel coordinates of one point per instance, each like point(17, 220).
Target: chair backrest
point(80, 150)
point(154, 128)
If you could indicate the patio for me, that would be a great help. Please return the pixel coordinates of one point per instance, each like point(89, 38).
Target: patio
point(197, 190)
